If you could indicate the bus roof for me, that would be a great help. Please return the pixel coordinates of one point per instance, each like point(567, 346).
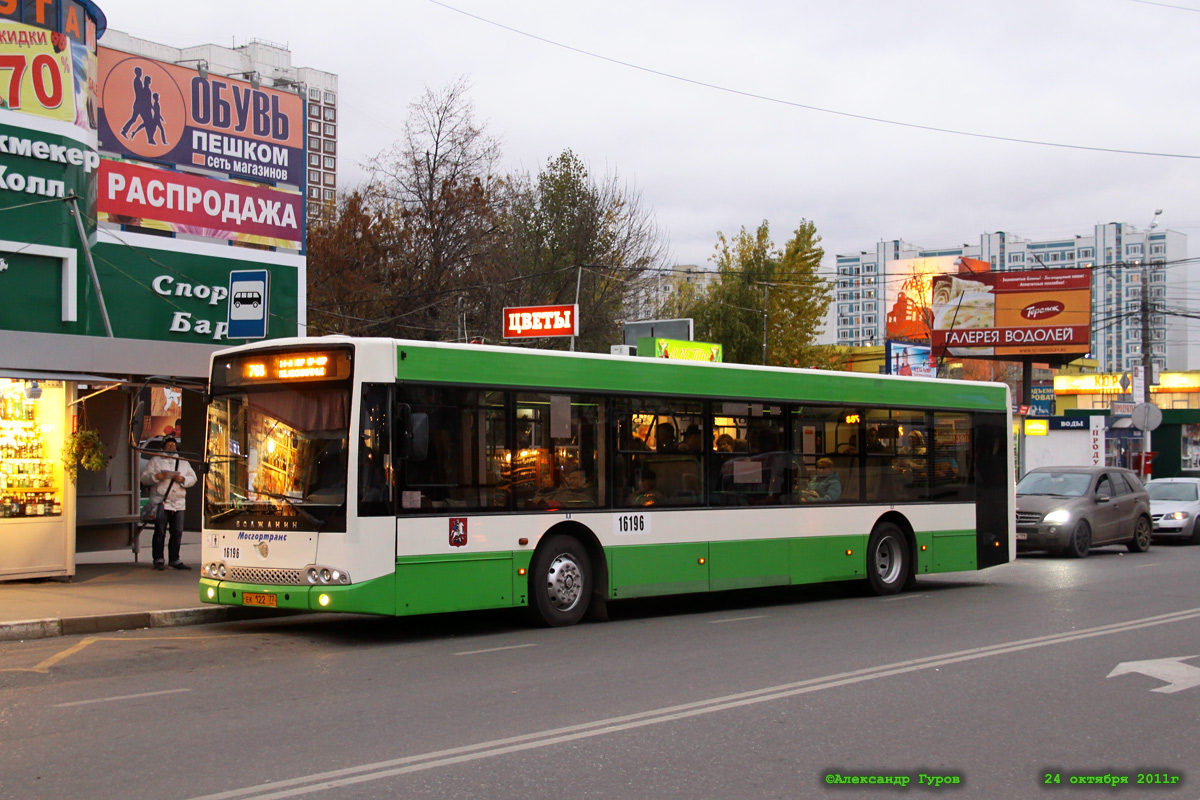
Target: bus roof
point(556, 370)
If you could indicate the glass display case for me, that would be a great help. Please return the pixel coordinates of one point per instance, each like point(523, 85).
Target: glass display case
point(35, 532)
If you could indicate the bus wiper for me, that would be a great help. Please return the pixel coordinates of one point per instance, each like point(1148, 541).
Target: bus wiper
point(220, 515)
point(291, 502)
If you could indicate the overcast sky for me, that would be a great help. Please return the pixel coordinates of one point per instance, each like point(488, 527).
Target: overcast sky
point(1116, 74)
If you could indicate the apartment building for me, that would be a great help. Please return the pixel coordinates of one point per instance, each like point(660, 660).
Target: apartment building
point(870, 286)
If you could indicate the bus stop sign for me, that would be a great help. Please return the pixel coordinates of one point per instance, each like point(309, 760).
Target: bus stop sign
point(247, 304)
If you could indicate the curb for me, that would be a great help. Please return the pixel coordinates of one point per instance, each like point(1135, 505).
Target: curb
point(108, 623)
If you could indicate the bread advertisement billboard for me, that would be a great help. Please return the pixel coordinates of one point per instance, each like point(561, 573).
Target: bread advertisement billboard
point(1011, 314)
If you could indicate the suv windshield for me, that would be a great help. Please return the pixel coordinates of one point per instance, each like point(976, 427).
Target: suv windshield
point(1171, 491)
point(1064, 484)
point(278, 457)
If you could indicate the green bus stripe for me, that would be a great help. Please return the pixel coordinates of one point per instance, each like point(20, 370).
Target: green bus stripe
point(471, 581)
point(527, 369)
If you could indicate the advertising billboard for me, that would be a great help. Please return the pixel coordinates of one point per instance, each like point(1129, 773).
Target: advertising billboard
point(165, 112)
point(910, 359)
point(46, 73)
point(1042, 399)
point(1005, 314)
point(907, 295)
point(133, 194)
point(166, 290)
point(680, 350)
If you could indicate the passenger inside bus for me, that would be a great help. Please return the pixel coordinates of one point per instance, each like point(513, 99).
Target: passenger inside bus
point(825, 487)
point(574, 492)
point(692, 440)
point(647, 493)
point(664, 438)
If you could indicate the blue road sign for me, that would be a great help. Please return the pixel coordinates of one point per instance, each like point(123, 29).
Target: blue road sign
point(247, 304)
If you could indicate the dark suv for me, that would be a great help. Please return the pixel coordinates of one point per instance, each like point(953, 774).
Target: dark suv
point(1073, 509)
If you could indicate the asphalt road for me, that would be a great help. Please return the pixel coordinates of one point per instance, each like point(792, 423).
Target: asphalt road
point(1001, 679)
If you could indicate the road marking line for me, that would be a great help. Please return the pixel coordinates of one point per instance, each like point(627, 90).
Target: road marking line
point(494, 649)
point(121, 697)
point(736, 619)
point(903, 597)
point(348, 776)
point(44, 667)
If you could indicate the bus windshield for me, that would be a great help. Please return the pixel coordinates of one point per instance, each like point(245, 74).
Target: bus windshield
point(277, 458)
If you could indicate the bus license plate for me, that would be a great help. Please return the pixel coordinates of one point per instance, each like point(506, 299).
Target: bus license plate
point(252, 599)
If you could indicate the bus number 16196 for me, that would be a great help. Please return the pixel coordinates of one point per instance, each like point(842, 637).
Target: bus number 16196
point(631, 523)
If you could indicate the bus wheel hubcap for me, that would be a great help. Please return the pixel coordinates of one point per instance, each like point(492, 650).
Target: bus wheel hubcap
point(887, 560)
point(564, 583)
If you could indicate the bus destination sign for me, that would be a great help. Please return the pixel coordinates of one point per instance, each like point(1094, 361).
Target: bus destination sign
point(288, 367)
point(284, 368)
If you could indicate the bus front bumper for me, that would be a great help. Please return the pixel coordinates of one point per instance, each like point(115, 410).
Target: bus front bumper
point(370, 597)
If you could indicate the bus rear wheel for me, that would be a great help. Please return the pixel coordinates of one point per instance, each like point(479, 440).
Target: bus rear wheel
point(560, 582)
point(889, 561)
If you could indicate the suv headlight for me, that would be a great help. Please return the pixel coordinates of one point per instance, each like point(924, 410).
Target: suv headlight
point(1057, 517)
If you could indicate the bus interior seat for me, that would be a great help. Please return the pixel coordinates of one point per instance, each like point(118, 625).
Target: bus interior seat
point(677, 478)
point(846, 467)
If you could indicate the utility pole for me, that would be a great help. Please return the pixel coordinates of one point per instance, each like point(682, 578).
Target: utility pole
point(578, 283)
point(1147, 343)
point(766, 317)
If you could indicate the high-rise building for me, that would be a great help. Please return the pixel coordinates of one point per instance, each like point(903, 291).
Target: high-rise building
point(1118, 253)
point(268, 64)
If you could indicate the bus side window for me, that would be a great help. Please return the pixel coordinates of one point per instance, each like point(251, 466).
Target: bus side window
point(375, 456)
point(559, 436)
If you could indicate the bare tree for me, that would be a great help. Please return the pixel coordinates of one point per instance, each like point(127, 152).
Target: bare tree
point(440, 183)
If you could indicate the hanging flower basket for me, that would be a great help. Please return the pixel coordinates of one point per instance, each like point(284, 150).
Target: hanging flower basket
point(83, 449)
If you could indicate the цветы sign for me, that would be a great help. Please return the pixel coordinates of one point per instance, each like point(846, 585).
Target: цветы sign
point(529, 322)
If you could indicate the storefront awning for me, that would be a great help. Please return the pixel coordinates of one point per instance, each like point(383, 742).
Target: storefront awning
point(41, 375)
point(101, 359)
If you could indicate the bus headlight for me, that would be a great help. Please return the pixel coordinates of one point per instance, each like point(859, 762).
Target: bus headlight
point(319, 575)
point(221, 571)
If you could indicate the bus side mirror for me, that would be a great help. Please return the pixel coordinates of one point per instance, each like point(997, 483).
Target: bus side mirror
point(418, 437)
point(413, 436)
point(137, 422)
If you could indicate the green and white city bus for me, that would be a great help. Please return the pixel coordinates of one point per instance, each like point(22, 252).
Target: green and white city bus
point(400, 477)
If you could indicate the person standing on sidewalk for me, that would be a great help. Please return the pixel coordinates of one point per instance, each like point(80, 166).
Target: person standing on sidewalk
point(168, 476)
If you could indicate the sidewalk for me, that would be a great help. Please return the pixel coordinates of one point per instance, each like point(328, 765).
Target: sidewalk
point(110, 592)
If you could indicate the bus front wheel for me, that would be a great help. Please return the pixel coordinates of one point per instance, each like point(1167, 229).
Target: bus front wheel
point(560, 582)
point(888, 559)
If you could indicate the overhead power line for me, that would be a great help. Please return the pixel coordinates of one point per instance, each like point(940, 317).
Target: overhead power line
point(809, 107)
